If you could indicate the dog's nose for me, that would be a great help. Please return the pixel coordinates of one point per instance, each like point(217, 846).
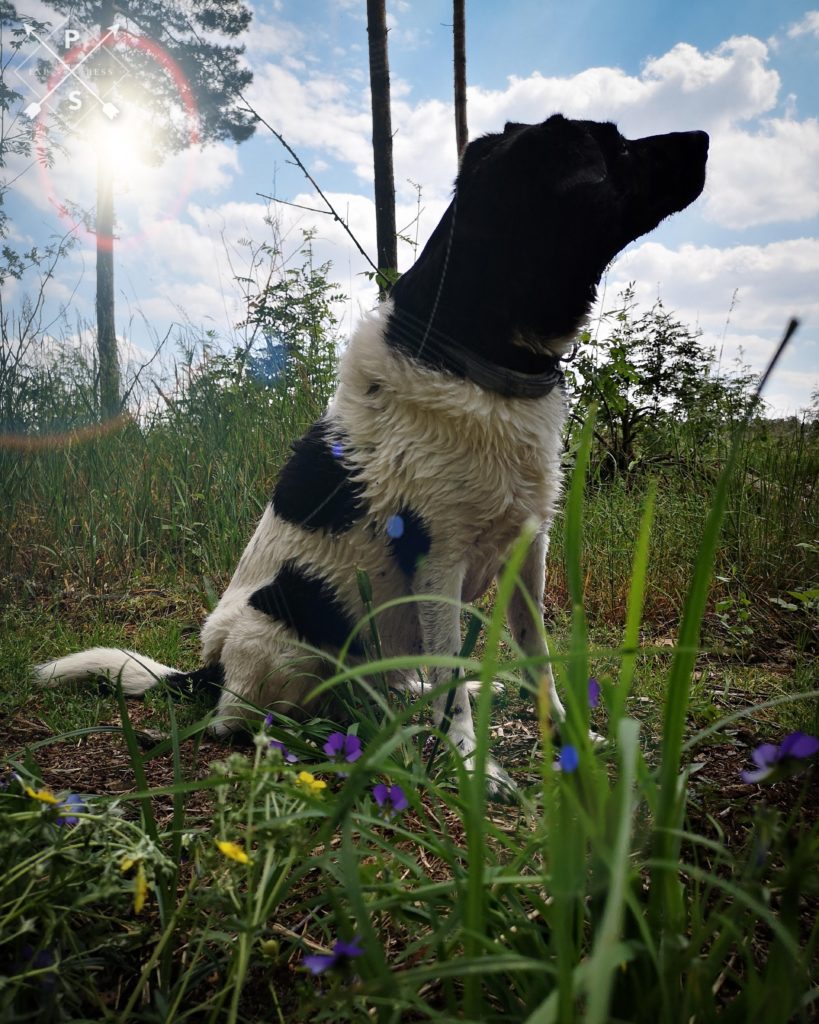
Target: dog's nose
point(700, 140)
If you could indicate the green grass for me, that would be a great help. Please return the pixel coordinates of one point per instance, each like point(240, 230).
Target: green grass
point(648, 885)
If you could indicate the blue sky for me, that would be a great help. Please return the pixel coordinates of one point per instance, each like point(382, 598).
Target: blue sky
point(744, 71)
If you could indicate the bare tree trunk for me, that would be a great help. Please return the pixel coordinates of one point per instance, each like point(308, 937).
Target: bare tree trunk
point(459, 62)
point(106, 332)
point(110, 401)
point(382, 141)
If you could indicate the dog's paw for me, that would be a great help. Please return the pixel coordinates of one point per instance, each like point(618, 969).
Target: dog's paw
point(499, 785)
point(596, 739)
point(474, 687)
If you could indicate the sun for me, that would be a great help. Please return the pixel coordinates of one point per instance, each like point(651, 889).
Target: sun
point(120, 146)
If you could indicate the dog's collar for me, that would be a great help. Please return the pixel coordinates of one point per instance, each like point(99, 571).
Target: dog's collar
point(432, 347)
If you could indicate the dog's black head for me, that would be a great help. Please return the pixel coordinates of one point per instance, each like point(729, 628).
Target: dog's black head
point(539, 212)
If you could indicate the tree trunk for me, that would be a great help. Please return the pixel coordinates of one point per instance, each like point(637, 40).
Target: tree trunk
point(382, 142)
point(459, 61)
point(110, 402)
point(106, 332)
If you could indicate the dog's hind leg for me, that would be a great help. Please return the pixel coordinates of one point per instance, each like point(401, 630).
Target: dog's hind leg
point(260, 676)
point(440, 617)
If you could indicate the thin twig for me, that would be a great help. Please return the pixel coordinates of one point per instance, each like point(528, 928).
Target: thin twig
point(330, 208)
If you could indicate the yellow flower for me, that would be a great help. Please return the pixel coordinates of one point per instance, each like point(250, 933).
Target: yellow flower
point(140, 889)
point(310, 783)
point(126, 864)
point(233, 850)
point(43, 795)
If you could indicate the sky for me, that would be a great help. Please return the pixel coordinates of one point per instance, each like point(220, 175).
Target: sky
point(737, 264)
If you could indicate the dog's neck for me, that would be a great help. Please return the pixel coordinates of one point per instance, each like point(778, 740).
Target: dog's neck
point(459, 309)
point(426, 344)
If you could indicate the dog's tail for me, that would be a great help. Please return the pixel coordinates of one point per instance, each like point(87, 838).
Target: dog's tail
point(135, 672)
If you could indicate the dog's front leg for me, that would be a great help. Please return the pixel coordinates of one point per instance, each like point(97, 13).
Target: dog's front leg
point(441, 634)
point(528, 632)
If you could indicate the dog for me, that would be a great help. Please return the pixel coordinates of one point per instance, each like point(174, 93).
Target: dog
point(443, 438)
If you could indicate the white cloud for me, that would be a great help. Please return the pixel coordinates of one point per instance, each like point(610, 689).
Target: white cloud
point(809, 25)
point(766, 176)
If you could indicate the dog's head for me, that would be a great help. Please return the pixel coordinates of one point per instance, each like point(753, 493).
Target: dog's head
point(539, 212)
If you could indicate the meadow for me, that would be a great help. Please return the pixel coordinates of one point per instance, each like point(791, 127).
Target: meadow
point(351, 870)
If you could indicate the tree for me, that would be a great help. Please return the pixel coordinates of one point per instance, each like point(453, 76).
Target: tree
point(384, 179)
point(459, 63)
point(294, 313)
point(647, 373)
point(156, 56)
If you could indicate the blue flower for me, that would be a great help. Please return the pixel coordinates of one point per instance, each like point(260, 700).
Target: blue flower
point(568, 760)
point(395, 527)
point(391, 799)
point(344, 745)
point(594, 692)
point(69, 808)
point(797, 746)
point(337, 449)
point(286, 754)
point(343, 953)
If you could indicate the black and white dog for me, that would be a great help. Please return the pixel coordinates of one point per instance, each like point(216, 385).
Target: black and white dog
point(444, 436)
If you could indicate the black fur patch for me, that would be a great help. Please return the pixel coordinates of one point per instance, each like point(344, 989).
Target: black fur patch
point(207, 681)
point(309, 605)
point(315, 489)
point(409, 540)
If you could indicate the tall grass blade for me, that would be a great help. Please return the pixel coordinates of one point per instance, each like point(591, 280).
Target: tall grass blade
point(666, 890)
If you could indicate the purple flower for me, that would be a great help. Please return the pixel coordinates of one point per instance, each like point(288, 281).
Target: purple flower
point(268, 720)
point(69, 808)
point(343, 745)
point(337, 448)
point(342, 953)
point(795, 747)
point(568, 760)
point(391, 799)
point(594, 692)
point(395, 527)
point(286, 754)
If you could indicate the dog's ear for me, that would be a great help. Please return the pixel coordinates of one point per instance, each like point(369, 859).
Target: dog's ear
point(475, 152)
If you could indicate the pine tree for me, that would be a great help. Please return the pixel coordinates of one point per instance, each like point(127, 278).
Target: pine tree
point(162, 56)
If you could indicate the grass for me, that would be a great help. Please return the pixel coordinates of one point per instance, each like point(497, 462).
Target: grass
point(649, 884)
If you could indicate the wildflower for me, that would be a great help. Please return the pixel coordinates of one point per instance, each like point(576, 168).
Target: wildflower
point(311, 783)
point(342, 953)
point(797, 746)
point(395, 527)
point(282, 749)
point(337, 449)
point(268, 720)
point(343, 745)
point(140, 888)
point(45, 796)
point(569, 759)
point(233, 851)
point(70, 807)
point(391, 799)
point(594, 692)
